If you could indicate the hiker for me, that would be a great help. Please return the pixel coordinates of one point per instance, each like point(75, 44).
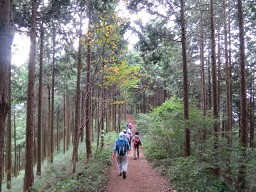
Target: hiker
point(129, 126)
point(136, 145)
point(127, 136)
point(121, 149)
point(129, 132)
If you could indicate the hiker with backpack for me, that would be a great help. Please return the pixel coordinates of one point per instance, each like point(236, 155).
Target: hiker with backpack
point(129, 126)
point(127, 136)
point(121, 149)
point(136, 145)
point(129, 132)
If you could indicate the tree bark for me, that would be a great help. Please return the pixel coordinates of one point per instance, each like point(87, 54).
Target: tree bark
point(9, 143)
point(15, 146)
point(64, 123)
point(228, 123)
point(78, 99)
point(6, 38)
point(214, 85)
point(243, 106)
point(53, 85)
point(203, 86)
point(185, 79)
point(88, 92)
point(29, 175)
point(39, 131)
point(103, 97)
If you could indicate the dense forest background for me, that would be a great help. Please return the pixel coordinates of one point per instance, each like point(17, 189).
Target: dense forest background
point(190, 81)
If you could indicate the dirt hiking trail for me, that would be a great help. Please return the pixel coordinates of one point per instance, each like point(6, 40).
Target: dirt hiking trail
point(141, 176)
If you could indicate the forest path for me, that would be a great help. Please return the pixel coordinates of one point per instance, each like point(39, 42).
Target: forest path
point(141, 176)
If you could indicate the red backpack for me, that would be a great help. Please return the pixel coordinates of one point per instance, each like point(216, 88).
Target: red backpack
point(136, 141)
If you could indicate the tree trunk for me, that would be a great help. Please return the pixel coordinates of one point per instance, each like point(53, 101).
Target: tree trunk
point(214, 86)
point(243, 107)
point(68, 122)
point(53, 85)
point(185, 79)
point(103, 97)
point(15, 145)
point(64, 123)
point(228, 123)
point(58, 129)
point(78, 99)
point(29, 175)
point(48, 132)
point(252, 103)
point(88, 92)
point(39, 131)
point(203, 86)
point(6, 37)
point(9, 143)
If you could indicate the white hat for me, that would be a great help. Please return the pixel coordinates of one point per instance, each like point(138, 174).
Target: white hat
point(121, 134)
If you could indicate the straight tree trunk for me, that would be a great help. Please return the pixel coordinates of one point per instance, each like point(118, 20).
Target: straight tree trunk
point(252, 123)
point(53, 85)
point(39, 136)
point(119, 116)
point(78, 99)
point(214, 85)
point(64, 123)
point(88, 93)
point(15, 146)
point(203, 86)
point(6, 38)
point(218, 64)
point(97, 116)
point(228, 124)
point(108, 119)
point(58, 131)
point(68, 122)
point(29, 175)
point(243, 106)
point(185, 79)
point(114, 112)
point(9, 144)
point(209, 104)
point(48, 132)
point(103, 97)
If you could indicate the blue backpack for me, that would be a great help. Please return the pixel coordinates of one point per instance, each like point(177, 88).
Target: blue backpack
point(121, 147)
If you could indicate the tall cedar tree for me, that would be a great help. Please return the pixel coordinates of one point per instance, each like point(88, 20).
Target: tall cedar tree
point(243, 110)
point(88, 91)
point(214, 82)
point(9, 144)
point(6, 38)
point(39, 136)
point(78, 98)
point(53, 85)
point(185, 78)
point(29, 175)
point(228, 123)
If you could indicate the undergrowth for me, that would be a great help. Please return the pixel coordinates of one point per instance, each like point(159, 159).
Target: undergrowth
point(163, 145)
point(58, 176)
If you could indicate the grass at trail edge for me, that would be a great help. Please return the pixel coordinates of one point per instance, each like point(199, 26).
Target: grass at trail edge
point(58, 176)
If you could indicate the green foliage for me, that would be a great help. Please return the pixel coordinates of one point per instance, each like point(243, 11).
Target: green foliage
point(165, 127)
point(163, 144)
point(19, 84)
point(58, 176)
point(89, 176)
point(189, 174)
